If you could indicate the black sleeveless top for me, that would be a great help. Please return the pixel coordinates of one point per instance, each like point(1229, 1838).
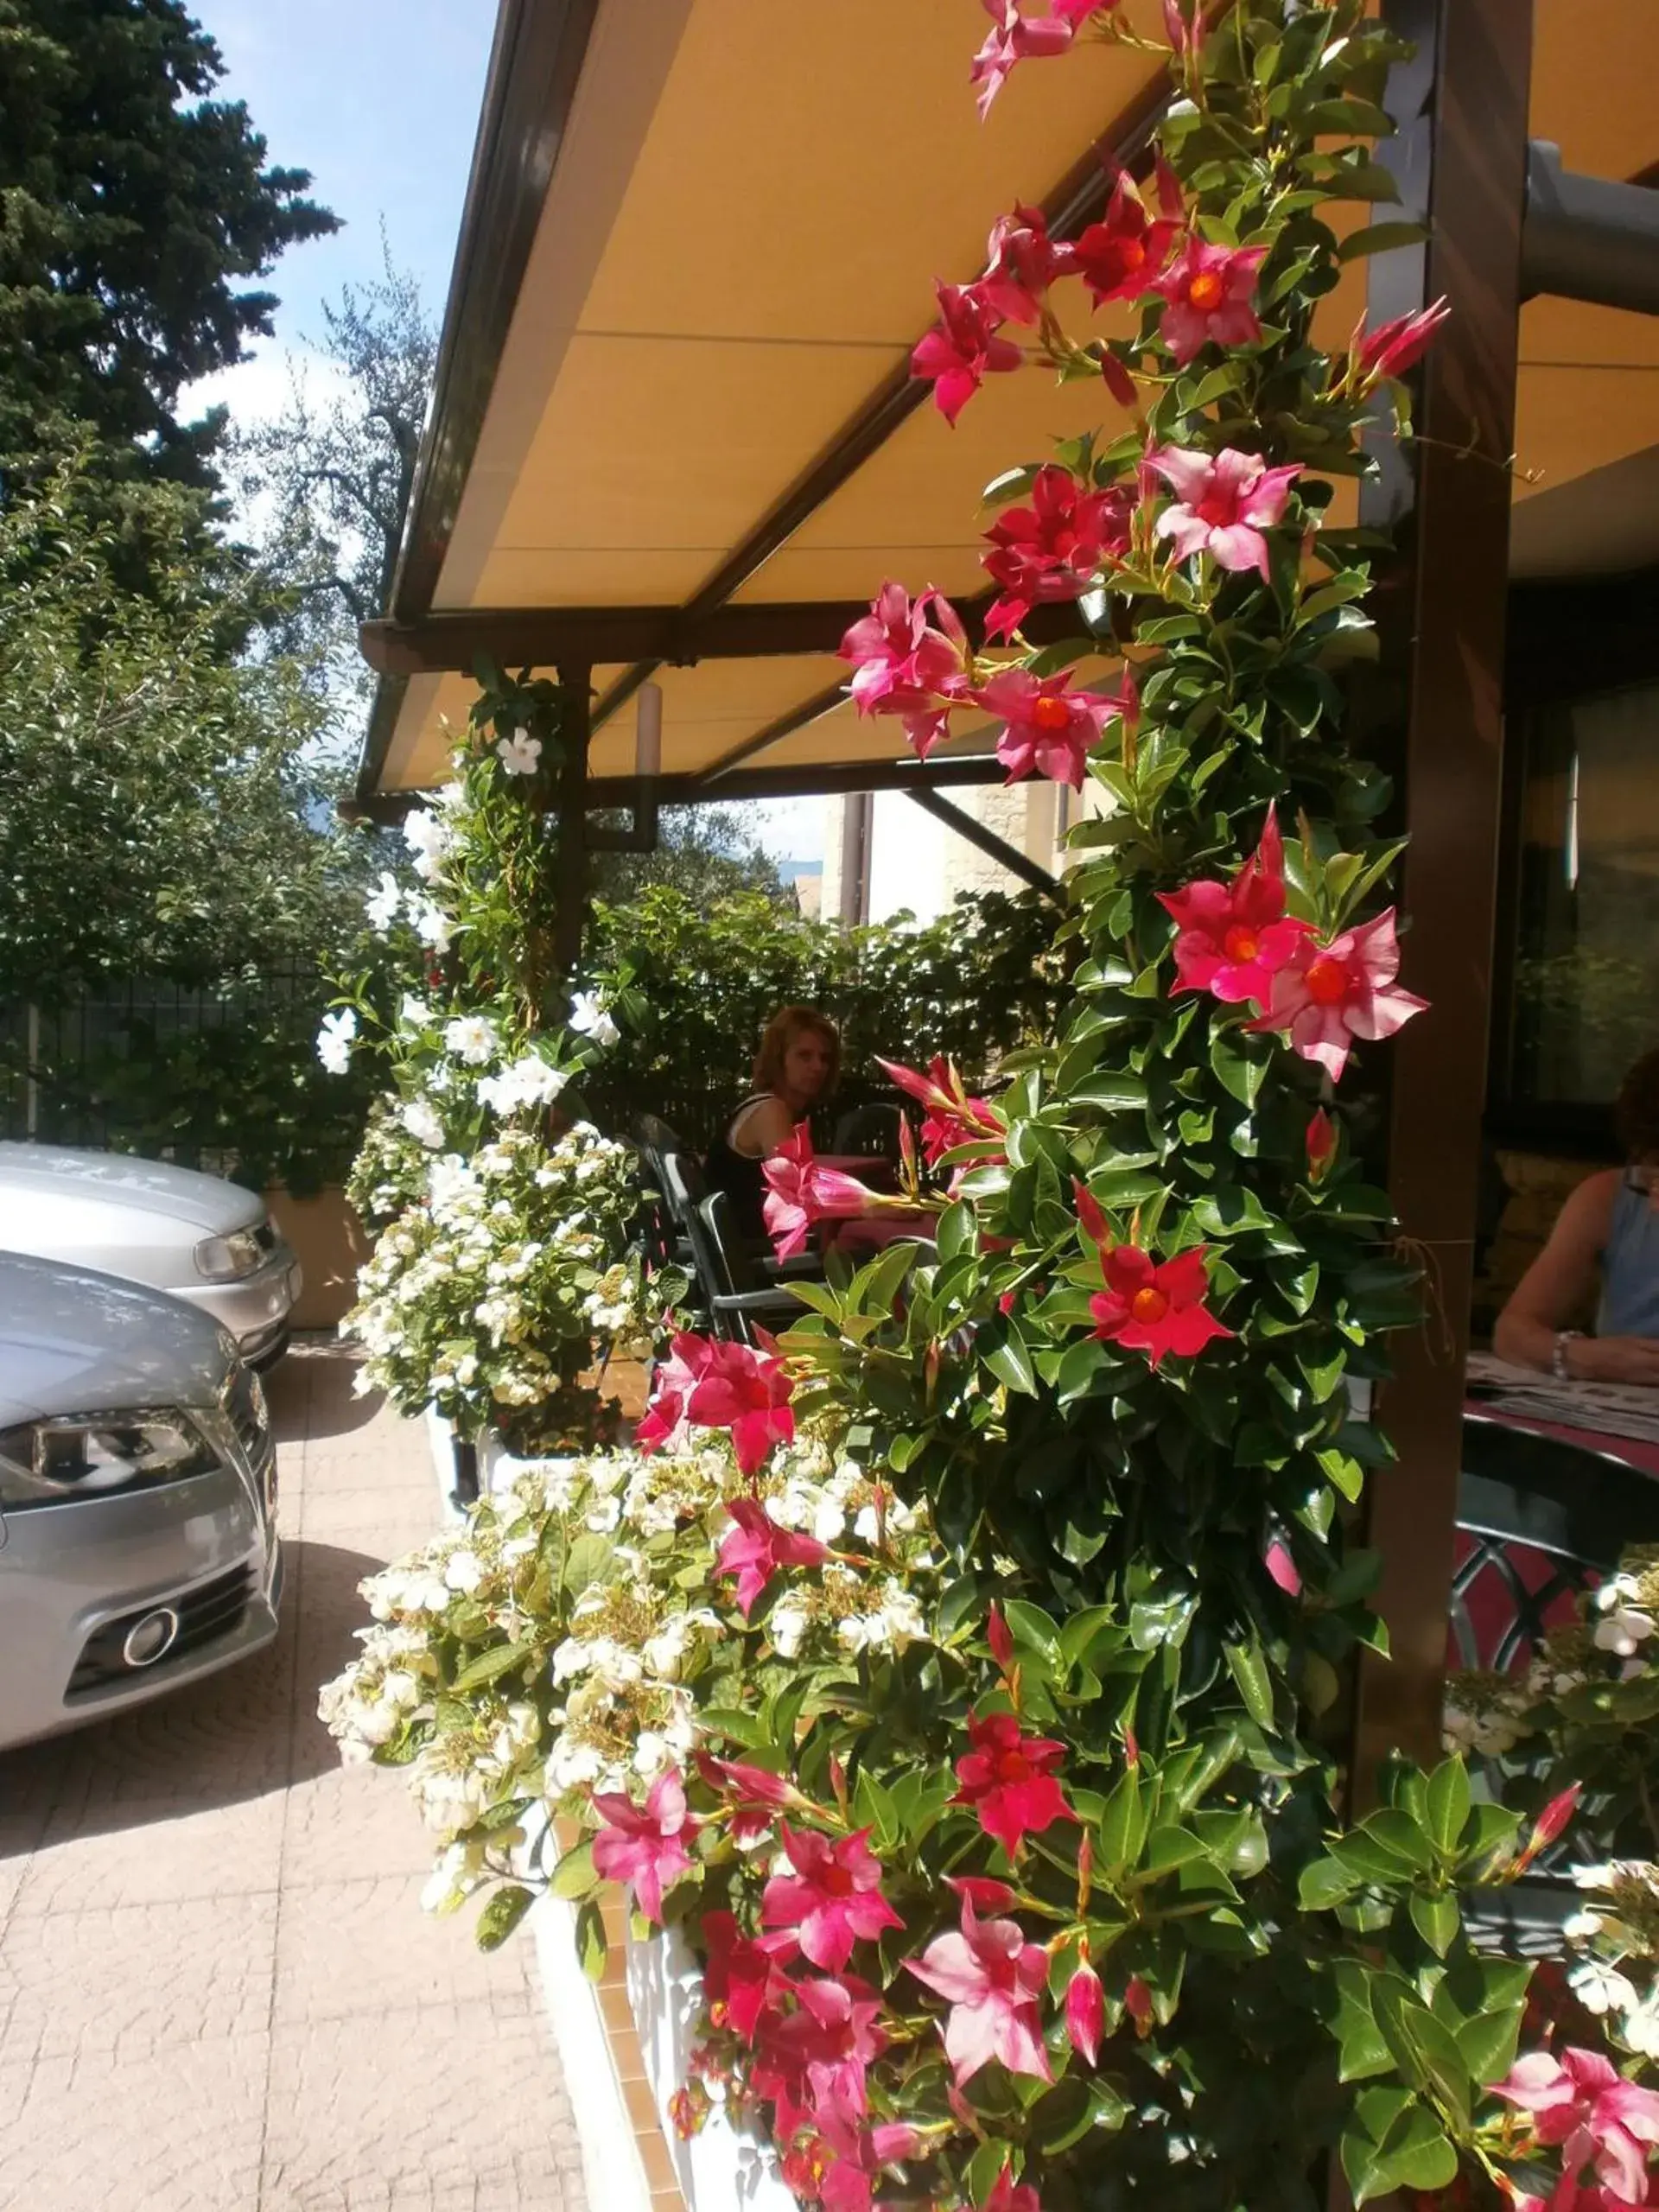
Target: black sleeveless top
point(738, 1175)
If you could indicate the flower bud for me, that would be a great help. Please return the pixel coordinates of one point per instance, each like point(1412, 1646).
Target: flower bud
point(1085, 2013)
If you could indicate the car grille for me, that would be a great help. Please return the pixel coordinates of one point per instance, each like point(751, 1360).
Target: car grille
point(204, 1614)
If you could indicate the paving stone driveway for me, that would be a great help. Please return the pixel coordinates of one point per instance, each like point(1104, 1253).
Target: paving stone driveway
point(217, 1993)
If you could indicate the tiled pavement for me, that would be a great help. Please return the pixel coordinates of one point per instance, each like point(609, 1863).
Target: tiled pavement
point(217, 1993)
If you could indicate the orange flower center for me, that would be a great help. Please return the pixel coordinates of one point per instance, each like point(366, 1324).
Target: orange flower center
point(1327, 981)
point(1205, 290)
point(1133, 252)
point(1013, 1766)
point(1051, 712)
point(1148, 1305)
point(1241, 945)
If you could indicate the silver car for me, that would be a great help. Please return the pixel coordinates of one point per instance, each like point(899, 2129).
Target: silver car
point(204, 1239)
point(137, 1481)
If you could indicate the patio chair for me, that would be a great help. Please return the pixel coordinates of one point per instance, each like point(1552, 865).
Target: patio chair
point(868, 1132)
point(1539, 1521)
point(736, 1295)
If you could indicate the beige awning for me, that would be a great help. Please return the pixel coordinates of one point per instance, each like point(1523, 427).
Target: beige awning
point(699, 245)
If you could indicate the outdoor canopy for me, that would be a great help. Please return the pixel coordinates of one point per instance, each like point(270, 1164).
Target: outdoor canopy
point(674, 434)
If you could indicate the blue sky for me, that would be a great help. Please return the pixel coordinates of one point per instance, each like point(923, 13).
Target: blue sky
point(379, 100)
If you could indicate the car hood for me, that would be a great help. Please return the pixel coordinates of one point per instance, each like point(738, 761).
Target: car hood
point(73, 1342)
point(207, 1202)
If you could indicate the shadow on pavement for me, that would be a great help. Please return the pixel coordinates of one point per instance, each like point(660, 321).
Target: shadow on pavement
point(311, 1395)
point(237, 1735)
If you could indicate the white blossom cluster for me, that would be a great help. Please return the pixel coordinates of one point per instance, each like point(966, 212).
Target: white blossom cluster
point(506, 1261)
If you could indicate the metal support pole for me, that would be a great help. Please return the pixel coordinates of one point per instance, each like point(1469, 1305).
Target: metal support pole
point(1437, 716)
point(575, 735)
point(986, 840)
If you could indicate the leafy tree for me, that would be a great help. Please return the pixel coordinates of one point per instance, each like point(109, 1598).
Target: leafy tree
point(134, 204)
point(706, 854)
point(329, 478)
point(160, 811)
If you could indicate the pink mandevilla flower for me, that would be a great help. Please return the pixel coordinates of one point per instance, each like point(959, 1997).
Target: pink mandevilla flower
point(1281, 1567)
point(1155, 1306)
point(1327, 995)
point(1209, 290)
point(1085, 2013)
point(1321, 1141)
point(1119, 256)
point(833, 1899)
point(1016, 36)
point(856, 2156)
point(799, 1192)
point(645, 1848)
point(1394, 347)
point(748, 1392)
point(1053, 548)
point(756, 1548)
point(1009, 1779)
point(814, 2058)
point(1050, 727)
point(992, 1979)
point(665, 1422)
point(1580, 2100)
point(1232, 938)
point(953, 1117)
point(1223, 503)
point(743, 1976)
point(963, 348)
point(1009, 2195)
point(906, 665)
point(1022, 262)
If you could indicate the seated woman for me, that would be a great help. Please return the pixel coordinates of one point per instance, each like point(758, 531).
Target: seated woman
point(794, 1071)
point(1610, 1224)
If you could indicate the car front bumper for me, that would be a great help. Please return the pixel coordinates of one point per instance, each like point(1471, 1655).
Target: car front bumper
point(255, 1308)
point(75, 1579)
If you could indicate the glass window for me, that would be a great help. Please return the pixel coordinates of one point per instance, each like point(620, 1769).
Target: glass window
point(1585, 992)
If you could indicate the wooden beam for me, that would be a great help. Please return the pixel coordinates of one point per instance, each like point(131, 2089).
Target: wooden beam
point(1436, 717)
point(575, 797)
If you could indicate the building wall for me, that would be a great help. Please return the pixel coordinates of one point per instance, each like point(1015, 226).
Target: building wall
point(918, 865)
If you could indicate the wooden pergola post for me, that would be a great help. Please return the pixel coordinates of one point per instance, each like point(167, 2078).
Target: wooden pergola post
point(575, 735)
point(1460, 157)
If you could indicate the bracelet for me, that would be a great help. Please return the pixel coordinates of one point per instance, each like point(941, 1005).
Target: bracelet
point(1557, 1356)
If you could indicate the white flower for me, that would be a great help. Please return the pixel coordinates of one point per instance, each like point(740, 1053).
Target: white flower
point(1579, 1927)
point(650, 1753)
point(519, 753)
point(1622, 1630)
point(423, 1124)
point(334, 1041)
point(464, 1571)
point(432, 925)
point(1596, 1878)
point(589, 1019)
point(472, 1039)
point(429, 837)
point(414, 1013)
point(382, 904)
point(786, 1625)
point(528, 1081)
point(1599, 1989)
point(1640, 2031)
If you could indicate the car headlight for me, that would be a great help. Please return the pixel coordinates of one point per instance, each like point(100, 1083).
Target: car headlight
point(88, 1455)
point(221, 1258)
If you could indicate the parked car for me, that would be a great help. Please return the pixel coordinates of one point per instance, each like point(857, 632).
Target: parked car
point(137, 1483)
point(203, 1239)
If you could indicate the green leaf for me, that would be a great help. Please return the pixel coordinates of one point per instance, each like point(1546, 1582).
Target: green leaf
point(1123, 1823)
point(502, 1914)
point(1248, 1669)
point(500, 1659)
point(593, 1948)
point(1447, 1805)
point(1380, 238)
point(1437, 1920)
point(1010, 1362)
point(575, 1876)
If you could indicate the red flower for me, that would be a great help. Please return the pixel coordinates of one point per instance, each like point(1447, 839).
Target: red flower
point(833, 1899)
point(1396, 346)
point(1137, 2002)
point(857, 2156)
point(984, 1893)
point(759, 1793)
point(1085, 2013)
point(1209, 288)
point(1022, 262)
point(1155, 1306)
point(666, 1420)
point(906, 665)
point(997, 1636)
point(748, 1392)
point(1015, 37)
point(799, 1192)
point(742, 1977)
point(1327, 995)
point(1281, 1567)
point(645, 1848)
point(1050, 727)
point(755, 1549)
point(1053, 548)
point(963, 349)
point(1579, 2101)
point(1009, 1779)
point(1321, 1145)
point(811, 2060)
point(1119, 256)
point(1232, 938)
point(1552, 1822)
point(1008, 2196)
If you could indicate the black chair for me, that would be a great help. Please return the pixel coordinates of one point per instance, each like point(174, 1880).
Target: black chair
point(1539, 1521)
point(870, 1132)
point(734, 1295)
